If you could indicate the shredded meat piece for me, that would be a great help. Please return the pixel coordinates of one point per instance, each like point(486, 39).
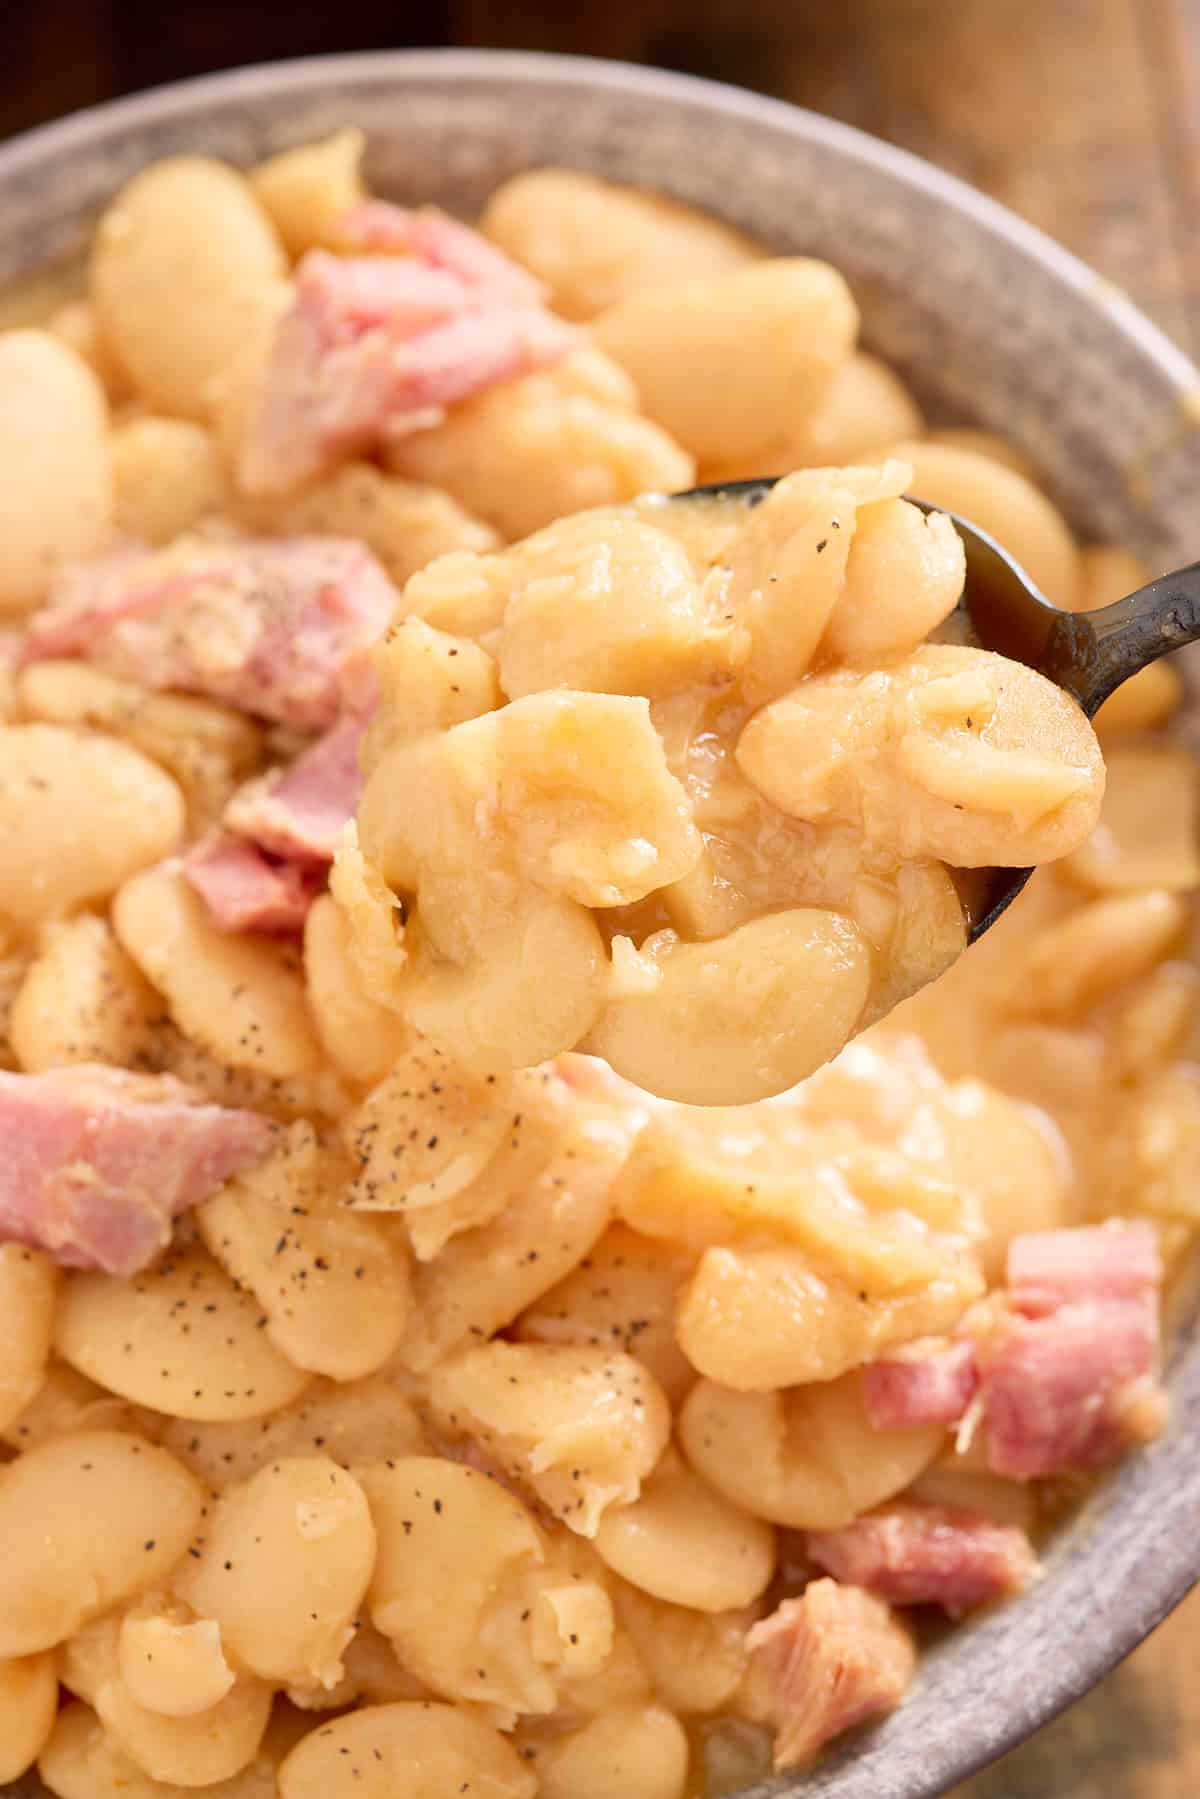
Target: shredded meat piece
point(829, 1660)
point(927, 1555)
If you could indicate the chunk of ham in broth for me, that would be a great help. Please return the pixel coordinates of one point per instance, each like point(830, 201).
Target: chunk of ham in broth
point(1064, 1376)
point(825, 1662)
point(277, 627)
point(263, 871)
point(301, 811)
point(934, 1384)
point(1069, 1377)
point(245, 889)
point(926, 1555)
point(378, 227)
point(1048, 1269)
point(95, 1162)
point(379, 344)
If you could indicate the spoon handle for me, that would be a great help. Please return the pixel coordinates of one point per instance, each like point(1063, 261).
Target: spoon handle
point(1118, 640)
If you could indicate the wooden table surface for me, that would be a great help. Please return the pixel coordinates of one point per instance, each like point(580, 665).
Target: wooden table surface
point(1083, 115)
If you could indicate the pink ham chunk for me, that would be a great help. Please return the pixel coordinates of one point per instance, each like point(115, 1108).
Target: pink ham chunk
point(263, 872)
point(302, 811)
point(927, 1555)
point(1117, 1260)
point(95, 1162)
point(1068, 1376)
point(468, 353)
point(245, 889)
point(1070, 1391)
point(933, 1384)
point(825, 1662)
point(373, 346)
point(377, 227)
point(276, 627)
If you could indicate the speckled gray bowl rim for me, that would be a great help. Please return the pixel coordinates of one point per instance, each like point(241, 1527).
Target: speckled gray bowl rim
point(994, 321)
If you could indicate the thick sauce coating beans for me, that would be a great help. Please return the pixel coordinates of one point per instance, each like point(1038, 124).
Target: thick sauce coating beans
point(797, 746)
point(578, 885)
point(954, 753)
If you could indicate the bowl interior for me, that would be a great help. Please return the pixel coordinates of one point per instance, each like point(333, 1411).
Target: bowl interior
point(992, 323)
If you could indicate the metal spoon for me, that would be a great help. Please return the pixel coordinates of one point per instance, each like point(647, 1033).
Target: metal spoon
point(1087, 654)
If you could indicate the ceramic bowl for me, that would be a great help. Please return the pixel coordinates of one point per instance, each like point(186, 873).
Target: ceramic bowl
point(992, 323)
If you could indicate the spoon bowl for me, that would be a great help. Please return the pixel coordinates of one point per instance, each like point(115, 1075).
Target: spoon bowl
point(1087, 654)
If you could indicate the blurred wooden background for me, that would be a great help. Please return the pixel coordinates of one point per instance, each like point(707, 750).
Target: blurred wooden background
point(1083, 115)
